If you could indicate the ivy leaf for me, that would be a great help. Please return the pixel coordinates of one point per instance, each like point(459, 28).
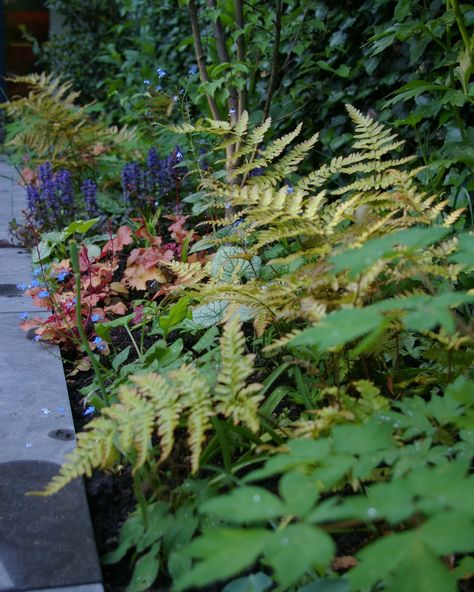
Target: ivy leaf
point(295, 549)
point(223, 553)
point(245, 504)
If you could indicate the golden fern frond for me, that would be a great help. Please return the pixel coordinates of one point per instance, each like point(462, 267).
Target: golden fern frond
point(167, 407)
point(242, 124)
point(282, 341)
point(189, 273)
point(453, 217)
point(195, 393)
point(95, 449)
point(134, 433)
point(234, 397)
point(256, 136)
point(278, 145)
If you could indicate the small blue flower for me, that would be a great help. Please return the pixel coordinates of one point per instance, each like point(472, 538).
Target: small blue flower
point(158, 88)
point(289, 189)
point(62, 275)
point(23, 316)
point(161, 73)
point(99, 343)
point(146, 82)
point(232, 111)
point(89, 411)
point(36, 272)
point(22, 287)
point(179, 155)
point(95, 318)
point(34, 284)
point(43, 294)
point(193, 70)
point(36, 338)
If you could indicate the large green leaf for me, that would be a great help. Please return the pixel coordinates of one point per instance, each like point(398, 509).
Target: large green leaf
point(339, 328)
point(245, 504)
point(223, 554)
point(356, 260)
point(299, 492)
point(295, 549)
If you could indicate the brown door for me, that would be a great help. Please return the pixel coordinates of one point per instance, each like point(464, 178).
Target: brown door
point(33, 17)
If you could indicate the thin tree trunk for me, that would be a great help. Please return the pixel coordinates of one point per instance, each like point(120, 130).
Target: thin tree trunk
point(274, 70)
point(200, 57)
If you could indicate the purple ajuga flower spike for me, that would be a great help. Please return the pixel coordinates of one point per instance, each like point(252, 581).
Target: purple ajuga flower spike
point(45, 172)
point(32, 198)
point(89, 191)
point(63, 181)
point(132, 176)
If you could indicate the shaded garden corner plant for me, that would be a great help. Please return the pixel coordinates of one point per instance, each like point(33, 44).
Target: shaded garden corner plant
point(341, 381)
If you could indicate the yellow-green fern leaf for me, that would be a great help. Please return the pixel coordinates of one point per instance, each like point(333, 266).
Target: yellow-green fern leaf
point(234, 397)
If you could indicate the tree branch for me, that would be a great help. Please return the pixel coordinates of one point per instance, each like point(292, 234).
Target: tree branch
point(223, 56)
point(199, 56)
point(239, 21)
point(274, 70)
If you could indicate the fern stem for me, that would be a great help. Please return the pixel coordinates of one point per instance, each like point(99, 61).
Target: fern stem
point(74, 255)
point(224, 444)
point(137, 487)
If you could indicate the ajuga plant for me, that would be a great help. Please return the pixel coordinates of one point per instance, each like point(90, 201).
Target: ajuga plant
point(48, 124)
point(154, 405)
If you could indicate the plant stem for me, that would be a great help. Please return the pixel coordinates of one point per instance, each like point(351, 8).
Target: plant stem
point(74, 255)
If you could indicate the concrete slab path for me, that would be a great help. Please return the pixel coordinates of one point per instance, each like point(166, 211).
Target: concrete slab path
point(45, 543)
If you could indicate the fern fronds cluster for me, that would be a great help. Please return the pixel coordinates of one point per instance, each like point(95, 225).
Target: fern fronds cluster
point(296, 231)
point(50, 124)
point(156, 404)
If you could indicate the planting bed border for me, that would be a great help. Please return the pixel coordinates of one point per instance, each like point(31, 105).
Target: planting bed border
point(46, 543)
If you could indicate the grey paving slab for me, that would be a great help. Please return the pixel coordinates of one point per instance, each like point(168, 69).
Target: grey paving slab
point(86, 588)
point(15, 268)
point(44, 542)
point(12, 199)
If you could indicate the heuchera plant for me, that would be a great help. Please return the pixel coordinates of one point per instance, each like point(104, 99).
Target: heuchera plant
point(106, 281)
